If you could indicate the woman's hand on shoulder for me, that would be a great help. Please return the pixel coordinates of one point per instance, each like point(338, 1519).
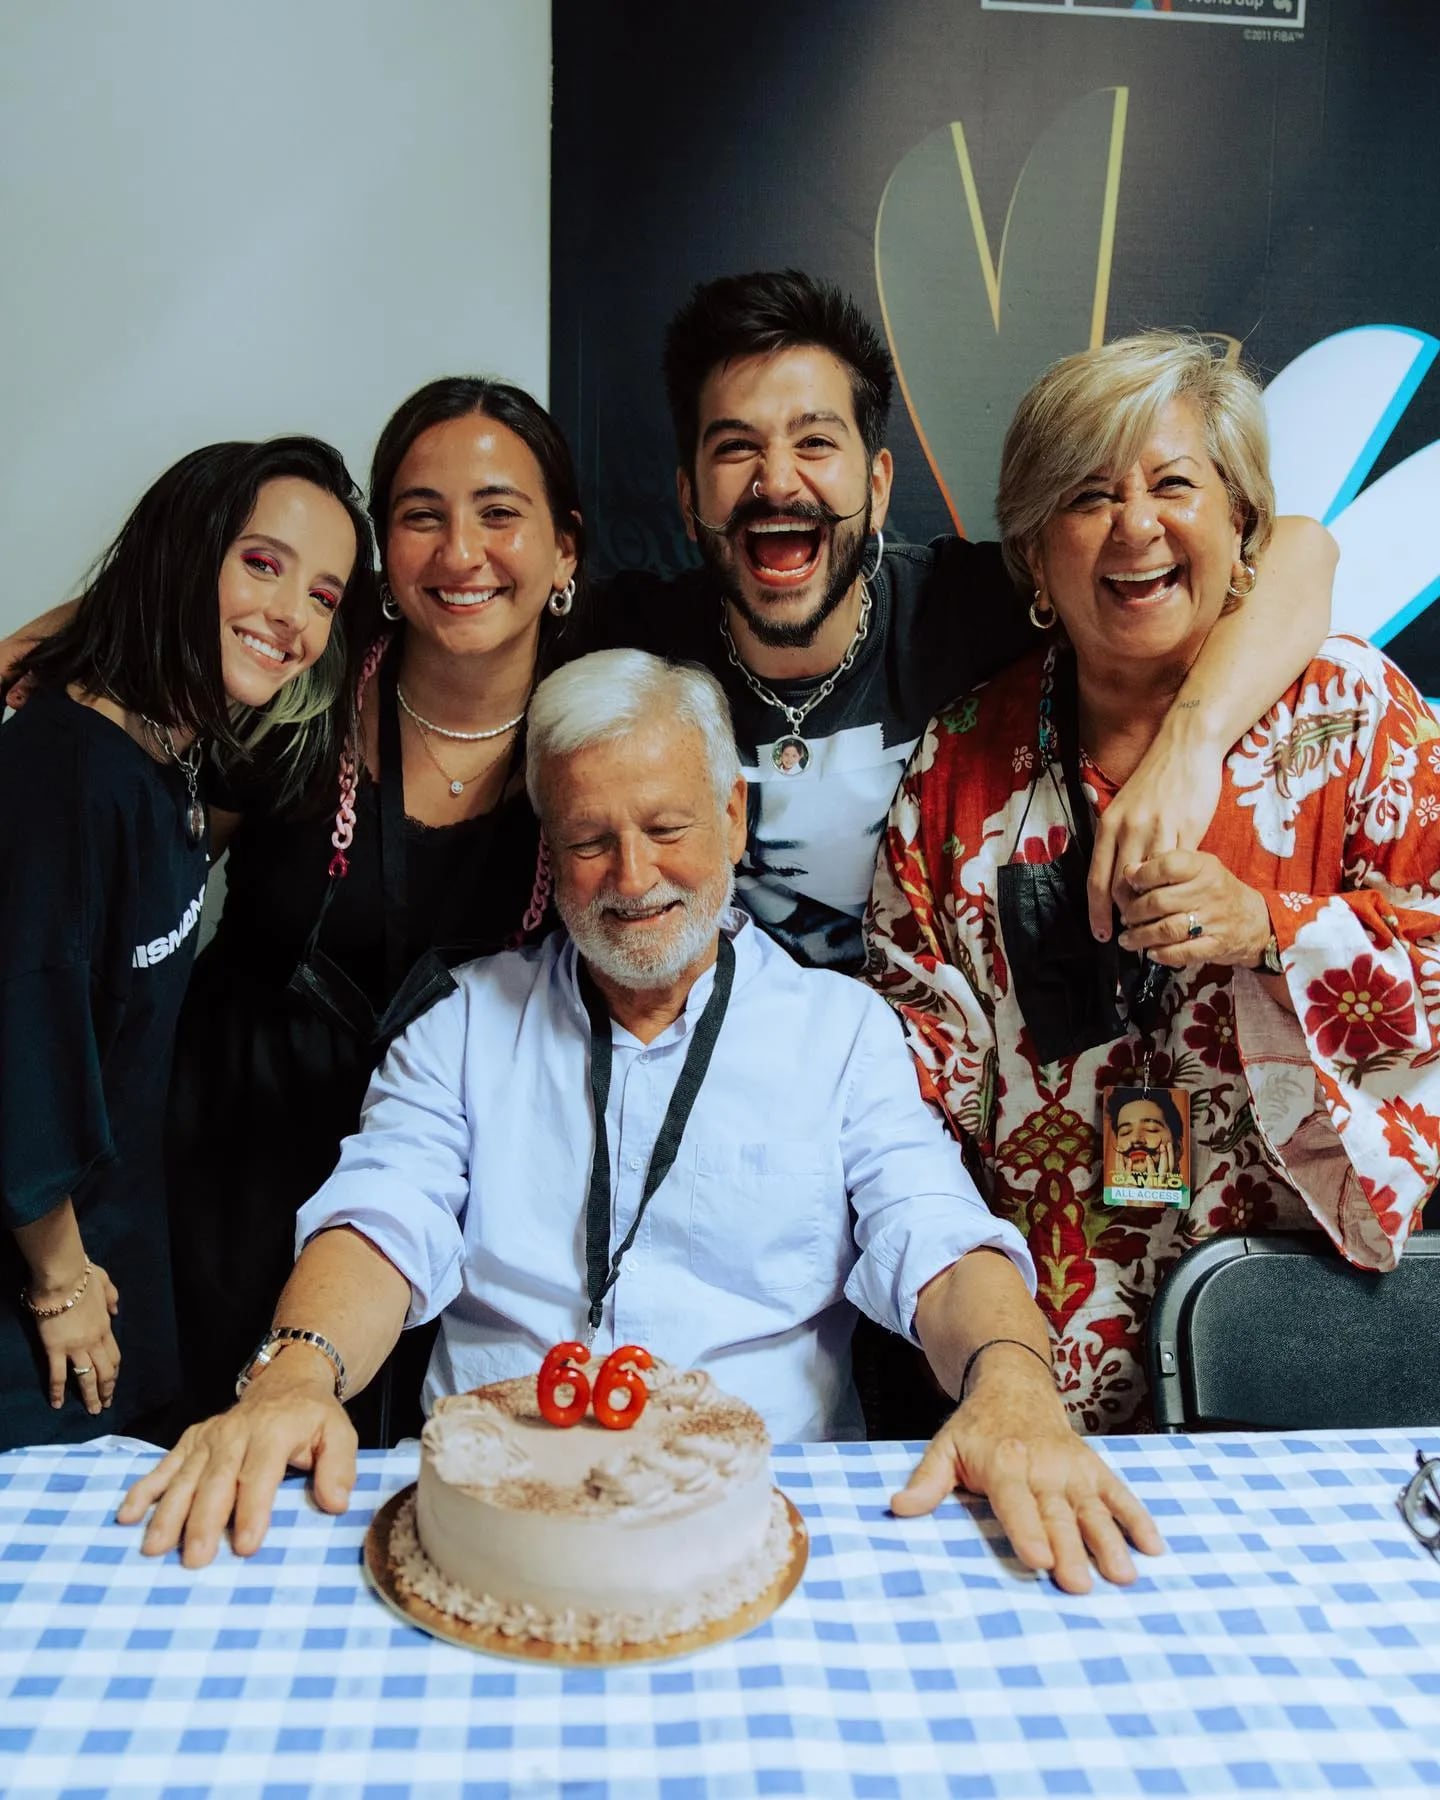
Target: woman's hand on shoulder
point(1166, 895)
point(14, 693)
point(21, 642)
point(230, 1467)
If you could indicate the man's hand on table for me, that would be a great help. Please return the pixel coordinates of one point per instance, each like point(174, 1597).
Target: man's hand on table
point(1060, 1506)
point(232, 1465)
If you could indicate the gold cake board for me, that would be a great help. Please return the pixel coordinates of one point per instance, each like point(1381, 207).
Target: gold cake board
point(380, 1567)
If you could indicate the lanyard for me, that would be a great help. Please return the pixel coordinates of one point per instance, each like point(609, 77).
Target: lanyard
point(1142, 983)
point(602, 1270)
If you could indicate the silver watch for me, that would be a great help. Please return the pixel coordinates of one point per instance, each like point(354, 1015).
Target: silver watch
point(274, 1341)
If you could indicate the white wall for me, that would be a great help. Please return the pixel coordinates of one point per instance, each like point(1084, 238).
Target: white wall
point(232, 220)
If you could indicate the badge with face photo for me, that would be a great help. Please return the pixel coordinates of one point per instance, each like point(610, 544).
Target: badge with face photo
point(790, 755)
point(1145, 1138)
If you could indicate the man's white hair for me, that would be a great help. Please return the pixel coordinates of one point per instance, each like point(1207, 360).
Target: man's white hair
point(611, 692)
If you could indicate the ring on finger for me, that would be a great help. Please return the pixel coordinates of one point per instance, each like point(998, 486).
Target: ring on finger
point(83, 1369)
point(1194, 928)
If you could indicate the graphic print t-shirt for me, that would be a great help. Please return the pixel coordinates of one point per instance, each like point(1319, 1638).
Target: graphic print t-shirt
point(944, 617)
point(100, 896)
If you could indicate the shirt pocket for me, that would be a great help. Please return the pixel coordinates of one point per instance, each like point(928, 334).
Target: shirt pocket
point(758, 1215)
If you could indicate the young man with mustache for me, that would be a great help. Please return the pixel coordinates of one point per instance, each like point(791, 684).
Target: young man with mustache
point(819, 630)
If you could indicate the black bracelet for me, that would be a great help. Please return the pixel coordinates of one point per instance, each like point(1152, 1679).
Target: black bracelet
point(989, 1344)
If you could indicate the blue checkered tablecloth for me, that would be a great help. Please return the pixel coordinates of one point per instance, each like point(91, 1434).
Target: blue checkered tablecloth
point(1288, 1643)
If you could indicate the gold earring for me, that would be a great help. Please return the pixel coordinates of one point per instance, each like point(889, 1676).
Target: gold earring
point(1238, 593)
point(1042, 621)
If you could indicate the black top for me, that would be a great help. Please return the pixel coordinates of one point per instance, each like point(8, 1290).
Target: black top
point(100, 894)
point(467, 888)
point(944, 617)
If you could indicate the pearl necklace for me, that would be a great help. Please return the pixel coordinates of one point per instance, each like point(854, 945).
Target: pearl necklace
point(464, 737)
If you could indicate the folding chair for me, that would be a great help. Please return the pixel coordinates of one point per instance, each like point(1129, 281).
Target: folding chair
point(1276, 1333)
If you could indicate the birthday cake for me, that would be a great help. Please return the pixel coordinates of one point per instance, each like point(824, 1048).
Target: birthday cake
point(587, 1535)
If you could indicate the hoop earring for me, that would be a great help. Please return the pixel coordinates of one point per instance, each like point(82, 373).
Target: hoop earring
point(1244, 593)
point(389, 605)
point(1042, 621)
point(562, 599)
point(870, 574)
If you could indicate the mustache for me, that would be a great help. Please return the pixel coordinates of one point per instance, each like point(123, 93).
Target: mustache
point(752, 511)
point(629, 906)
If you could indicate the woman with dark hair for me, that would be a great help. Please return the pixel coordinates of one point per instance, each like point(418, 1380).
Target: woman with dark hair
point(209, 621)
point(340, 926)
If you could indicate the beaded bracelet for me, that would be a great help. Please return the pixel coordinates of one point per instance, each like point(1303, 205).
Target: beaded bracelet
point(54, 1312)
point(989, 1344)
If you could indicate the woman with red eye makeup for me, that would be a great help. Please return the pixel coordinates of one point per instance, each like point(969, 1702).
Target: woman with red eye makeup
point(207, 628)
point(345, 912)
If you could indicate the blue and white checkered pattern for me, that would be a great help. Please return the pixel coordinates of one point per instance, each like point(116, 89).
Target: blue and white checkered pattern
point(1288, 1643)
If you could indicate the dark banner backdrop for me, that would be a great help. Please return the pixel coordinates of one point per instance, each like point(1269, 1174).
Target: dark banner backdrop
point(1002, 182)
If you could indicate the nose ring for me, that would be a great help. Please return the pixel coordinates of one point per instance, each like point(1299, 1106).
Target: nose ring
point(755, 488)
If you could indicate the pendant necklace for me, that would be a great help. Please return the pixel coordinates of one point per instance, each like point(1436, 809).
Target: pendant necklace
point(457, 786)
point(796, 715)
point(189, 767)
point(427, 726)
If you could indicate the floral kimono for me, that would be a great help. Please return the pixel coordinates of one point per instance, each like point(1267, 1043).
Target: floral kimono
point(1329, 1117)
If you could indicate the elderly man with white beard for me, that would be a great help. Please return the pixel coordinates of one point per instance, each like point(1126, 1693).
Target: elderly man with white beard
point(654, 1128)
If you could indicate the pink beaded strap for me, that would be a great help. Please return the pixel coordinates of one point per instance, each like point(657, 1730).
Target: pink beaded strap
point(344, 833)
point(539, 897)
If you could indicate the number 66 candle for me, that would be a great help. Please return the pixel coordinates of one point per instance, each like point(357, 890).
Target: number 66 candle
point(619, 1380)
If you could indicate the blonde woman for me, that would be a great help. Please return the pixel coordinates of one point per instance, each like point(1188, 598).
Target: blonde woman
point(1285, 975)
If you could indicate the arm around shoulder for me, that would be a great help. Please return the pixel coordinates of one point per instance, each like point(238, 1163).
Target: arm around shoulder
point(1249, 659)
point(20, 642)
point(1255, 652)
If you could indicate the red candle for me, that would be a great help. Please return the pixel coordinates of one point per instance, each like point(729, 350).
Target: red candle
point(563, 1370)
point(563, 1367)
point(618, 1375)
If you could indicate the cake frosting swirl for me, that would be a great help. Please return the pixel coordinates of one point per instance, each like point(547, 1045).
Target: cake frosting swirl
point(584, 1535)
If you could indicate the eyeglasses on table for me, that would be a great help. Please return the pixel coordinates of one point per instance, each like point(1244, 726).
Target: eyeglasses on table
point(1419, 1502)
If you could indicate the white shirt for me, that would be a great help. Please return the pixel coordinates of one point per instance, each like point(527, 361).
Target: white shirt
point(811, 1174)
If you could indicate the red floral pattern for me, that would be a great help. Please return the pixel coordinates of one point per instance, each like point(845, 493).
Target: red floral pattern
point(1050, 848)
point(1213, 1033)
point(1359, 1012)
point(1246, 1206)
point(1320, 812)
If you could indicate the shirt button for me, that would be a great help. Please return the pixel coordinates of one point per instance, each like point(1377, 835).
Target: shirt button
point(634, 1162)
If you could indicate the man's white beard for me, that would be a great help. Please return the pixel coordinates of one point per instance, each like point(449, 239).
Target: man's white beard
point(627, 957)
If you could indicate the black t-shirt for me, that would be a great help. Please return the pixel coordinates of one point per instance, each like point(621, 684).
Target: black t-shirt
point(100, 895)
point(944, 616)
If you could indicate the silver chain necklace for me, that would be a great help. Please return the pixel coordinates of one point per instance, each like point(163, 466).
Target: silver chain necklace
point(464, 737)
point(189, 767)
point(796, 715)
